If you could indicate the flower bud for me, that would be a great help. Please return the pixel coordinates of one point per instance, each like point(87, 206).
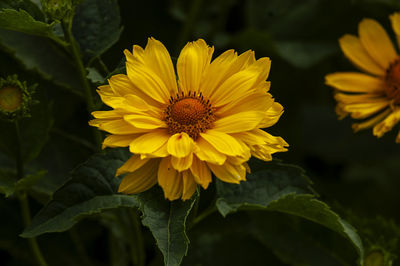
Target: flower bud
point(57, 9)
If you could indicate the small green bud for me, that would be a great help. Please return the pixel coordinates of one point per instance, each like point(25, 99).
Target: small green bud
point(15, 98)
point(57, 9)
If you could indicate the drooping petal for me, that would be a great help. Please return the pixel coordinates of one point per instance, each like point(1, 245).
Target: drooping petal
point(371, 122)
point(158, 59)
point(206, 152)
point(355, 51)
point(239, 122)
point(180, 145)
point(133, 163)
point(355, 82)
point(272, 115)
point(387, 124)
point(170, 180)
point(183, 163)
point(395, 19)
point(363, 110)
point(201, 172)
point(150, 142)
point(358, 98)
point(189, 185)
point(223, 143)
point(193, 60)
point(228, 172)
point(377, 42)
point(140, 180)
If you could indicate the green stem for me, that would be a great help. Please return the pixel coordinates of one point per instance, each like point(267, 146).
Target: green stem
point(137, 247)
point(189, 23)
point(74, 50)
point(23, 199)
point(202, 216)
point(26, 215)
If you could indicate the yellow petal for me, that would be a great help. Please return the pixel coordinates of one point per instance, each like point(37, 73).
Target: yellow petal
point(358, 98)
point(114, 141)
point(193, 60)
point(122, 86)
point(254, 102)
point(395, 19)
point(120, 127)
point(140, 180)
point(170, 180)
point(150, 142)
point(239, 122)
point(370, 122)
point(224, 143)
point(182, 164)
point(206, 152)
point(387, 124)
point(158, 59)
point(355, 82)
point(134, 163)
point(235, 87)
point(137, 55)
point(272, 115)
point(228, 172)
point(353, 50)
point(377, 42)
point(147, 82)
point(221, 68)
point(180, 145)
point(111, 114)
point(201, 172)
point(189, 185)
point(363, 110)
point(144, 121)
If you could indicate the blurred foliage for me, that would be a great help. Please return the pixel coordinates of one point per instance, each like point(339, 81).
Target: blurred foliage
point(347, 214)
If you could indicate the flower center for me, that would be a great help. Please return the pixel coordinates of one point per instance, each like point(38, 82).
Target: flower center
point(10, 98)
point(392, 79)
point(189, 113)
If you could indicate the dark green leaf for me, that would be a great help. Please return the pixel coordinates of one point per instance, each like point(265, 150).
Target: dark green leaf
point(22, 21)
point(96, 26)
point(90, 190)
point(40, 54)
point(30, 180)
point(26, 5)
point(283, 188)
point(167, 222)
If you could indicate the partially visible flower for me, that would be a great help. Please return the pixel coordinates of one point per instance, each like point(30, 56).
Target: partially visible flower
point(181, 131)
point(15, 97)
point(373, 96)
point(57, 9)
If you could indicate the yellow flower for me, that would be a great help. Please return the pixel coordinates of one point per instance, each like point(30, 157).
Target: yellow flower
point(181, 131)
point(373, 96)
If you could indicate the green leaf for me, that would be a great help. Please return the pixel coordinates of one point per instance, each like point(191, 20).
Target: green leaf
point(22, 21)
point(30, 180)
point(283, 188)
point(7, 182)
point(96, 26)
point(90, 190)
point(167, 222)
point(26, 5)
point(41, 55)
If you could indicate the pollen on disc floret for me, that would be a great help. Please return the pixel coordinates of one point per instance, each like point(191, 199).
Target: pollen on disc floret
point(190, 113)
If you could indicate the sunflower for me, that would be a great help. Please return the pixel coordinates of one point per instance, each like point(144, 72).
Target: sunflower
point(179, 132)
point(373, 96)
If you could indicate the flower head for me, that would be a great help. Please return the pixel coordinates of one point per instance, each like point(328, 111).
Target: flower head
point(15, 97)
point(373, 96)
point(181, 131)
